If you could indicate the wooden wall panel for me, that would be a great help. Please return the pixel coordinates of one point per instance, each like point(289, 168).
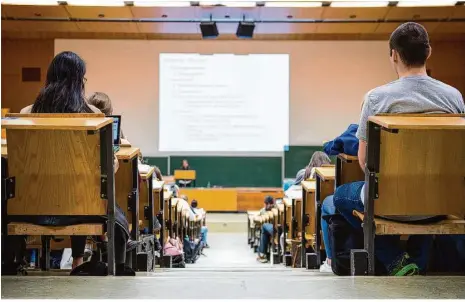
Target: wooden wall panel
point(17, 54)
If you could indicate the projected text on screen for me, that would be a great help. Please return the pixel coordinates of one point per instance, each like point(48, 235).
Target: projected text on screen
point(223, 102)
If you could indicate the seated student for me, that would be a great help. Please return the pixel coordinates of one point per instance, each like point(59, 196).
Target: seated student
point(185, 166)
point(413, 92)
point(267, 231)
point(318, 160)
point(64, 93)
point(102, 102)
point(203, 229)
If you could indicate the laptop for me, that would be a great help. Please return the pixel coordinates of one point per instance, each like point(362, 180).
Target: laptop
point(116, 132)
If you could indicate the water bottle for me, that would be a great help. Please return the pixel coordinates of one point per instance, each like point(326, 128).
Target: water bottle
point(32, 263)
point(208, 185)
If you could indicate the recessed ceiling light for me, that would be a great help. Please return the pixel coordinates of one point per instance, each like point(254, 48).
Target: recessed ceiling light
point(293, 4)
point(360, 4)
point(412, 3)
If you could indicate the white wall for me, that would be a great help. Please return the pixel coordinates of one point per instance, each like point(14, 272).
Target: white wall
point(328, 80)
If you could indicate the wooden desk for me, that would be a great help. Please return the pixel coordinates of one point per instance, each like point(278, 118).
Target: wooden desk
point(4, 112)
point(325, 179)
point(146, 206)
point(47, 154)
point(253, 198)
point(309, 215)
point(127, 190)
point(348, 169)
point(185, 175)
point(213, 199)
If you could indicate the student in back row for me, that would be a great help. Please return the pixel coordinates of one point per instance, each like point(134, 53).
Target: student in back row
point(413, 92)
point(64, 93)
point(102, 102)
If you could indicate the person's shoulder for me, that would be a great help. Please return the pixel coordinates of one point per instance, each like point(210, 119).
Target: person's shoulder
point(94, 109)
point(26, 110)
point(446, 87)
point(378, 93)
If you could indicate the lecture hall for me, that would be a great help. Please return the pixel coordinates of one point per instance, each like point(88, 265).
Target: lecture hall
point(244, 149)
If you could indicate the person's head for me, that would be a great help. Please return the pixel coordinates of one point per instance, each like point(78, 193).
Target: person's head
point(269, 202)
point(409, 47)
point(158, 173)
point(318, 159)
point(64, 86)
point(102, 102)
point(185, 163)
point(194, 204)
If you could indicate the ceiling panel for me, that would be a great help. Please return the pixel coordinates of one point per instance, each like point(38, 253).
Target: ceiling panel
point(451, 27)
point(285, 28)
point(116, 27)
point(390, 27)
point(297, 13)
point(169, 28)
point(232, 12)
point(170, 12)
point(95, 11)
point(408, 13)
point(359, 28)
point(34, 11)
point(44, 26)
point(358, 12)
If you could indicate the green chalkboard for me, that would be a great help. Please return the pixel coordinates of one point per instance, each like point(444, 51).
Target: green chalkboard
point(298, 157)
point(160, 162)
point(233, 171)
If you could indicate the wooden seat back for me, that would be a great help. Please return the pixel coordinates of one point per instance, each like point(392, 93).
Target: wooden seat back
point(56, 165)
point(421, 165)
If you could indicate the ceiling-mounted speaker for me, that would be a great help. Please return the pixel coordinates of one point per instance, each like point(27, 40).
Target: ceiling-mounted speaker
point(209, 29)
point(245, 30)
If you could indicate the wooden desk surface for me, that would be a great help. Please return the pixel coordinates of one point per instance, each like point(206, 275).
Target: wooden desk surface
point(148, 174)
point(158, 185)
point(253, 213)
point(417, 122)
point(294, 194)
point(4, 151)
point(127, 153)
point(326, 173)
point(309, 185)
point(346, 157)
point(56, 123)
point(253, 189)
point(287, 201)
point(167, 195)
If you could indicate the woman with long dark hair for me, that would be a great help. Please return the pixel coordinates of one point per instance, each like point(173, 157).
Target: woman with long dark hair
point(64, 93)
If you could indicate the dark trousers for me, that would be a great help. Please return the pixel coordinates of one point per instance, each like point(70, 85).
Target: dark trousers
point(14, 247)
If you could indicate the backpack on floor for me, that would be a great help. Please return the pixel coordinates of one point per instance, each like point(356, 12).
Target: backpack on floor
point(343, 238)
point(447, 256)
point(178, 261)
point(192, 250)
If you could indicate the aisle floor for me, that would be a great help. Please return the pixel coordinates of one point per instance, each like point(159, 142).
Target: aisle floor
point(230, 271)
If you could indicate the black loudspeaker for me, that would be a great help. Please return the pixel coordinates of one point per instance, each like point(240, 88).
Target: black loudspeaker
point(209, 30)
point(245, 30)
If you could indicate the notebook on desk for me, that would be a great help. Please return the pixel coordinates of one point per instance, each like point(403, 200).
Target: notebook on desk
point(116, 132)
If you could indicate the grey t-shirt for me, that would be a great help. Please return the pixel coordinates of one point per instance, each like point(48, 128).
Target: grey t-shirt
point(412, 94)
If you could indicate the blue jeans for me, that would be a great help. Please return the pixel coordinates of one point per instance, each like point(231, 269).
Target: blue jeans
point(267, 233)
point(327, 208)
point(387, 250)
point(203, 234)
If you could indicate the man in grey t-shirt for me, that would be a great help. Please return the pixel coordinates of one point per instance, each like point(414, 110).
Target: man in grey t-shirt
point(413, 92)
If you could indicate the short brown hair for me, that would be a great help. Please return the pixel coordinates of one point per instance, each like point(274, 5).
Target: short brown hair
point(102, 102)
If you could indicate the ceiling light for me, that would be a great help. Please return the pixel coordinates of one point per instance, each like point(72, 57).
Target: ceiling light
point(360, 4)
point(228, 3)
point(410, 3)
point(162, 3)
point(95, 2)
point(293, 4)
point(30, 2)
